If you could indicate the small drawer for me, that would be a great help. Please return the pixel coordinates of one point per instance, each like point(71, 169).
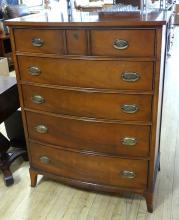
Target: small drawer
point(90, 73)
point(39, 41)
point(111, 171)
point(76, 42)
point(89, 103)
point(123, 43)
point(94, 136)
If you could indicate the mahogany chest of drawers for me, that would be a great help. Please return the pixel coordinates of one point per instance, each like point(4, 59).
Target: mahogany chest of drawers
point(91, 98)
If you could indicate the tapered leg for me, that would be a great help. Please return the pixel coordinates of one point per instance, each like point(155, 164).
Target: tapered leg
point(149, 201)
point(33, 177)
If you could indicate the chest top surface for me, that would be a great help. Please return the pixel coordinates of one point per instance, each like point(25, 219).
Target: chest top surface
point(95, 18)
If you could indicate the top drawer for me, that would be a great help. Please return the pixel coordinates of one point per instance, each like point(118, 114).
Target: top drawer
point(123, 43)
point(39, 41)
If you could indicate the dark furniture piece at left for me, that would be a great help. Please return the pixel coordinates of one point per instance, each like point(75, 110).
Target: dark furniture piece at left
point(5, 48)
point(9, 103)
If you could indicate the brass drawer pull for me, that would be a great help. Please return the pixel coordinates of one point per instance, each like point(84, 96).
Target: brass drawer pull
point(37, 42)
point(34, 71)
point(45, 159)
point(127, 174)
point(129, 141)
point(41, 129)
point(130, 76)
point(130, 109)
point(38, 99)
point(120, 44)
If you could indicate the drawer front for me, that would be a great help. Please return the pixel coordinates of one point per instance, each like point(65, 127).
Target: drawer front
point(123, 43)
point(39, 41)
point(90, 168)
point(90, 73)
point(76, 42)
point(88, 104)
point(109, 138)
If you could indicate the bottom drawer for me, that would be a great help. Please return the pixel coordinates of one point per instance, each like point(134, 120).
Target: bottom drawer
point(97, 169)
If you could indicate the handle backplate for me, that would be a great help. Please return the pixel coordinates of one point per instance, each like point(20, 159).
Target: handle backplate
point(37, 42)
point(130, 76)
point(34, 71)
point(45, 159)
point(41, 129)
point(127, 174)
point(120, 44)
point(38, 99)
point(129, 141)
point(129, 108)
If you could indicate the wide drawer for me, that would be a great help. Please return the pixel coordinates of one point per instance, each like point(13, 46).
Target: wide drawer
point(123, 43)
point(88, 103)
point(90, 168)
point(39, 41)
point(94, 136)
point(87, 73)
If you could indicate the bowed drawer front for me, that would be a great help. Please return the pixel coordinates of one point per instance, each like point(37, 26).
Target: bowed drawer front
point(98, 169)
point(90, 73)
point(88, 103)
point(105, 137)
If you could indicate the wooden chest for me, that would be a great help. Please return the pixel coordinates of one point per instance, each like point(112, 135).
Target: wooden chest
point(91, 98)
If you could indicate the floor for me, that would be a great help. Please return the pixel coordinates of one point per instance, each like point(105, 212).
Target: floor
point(53, 201)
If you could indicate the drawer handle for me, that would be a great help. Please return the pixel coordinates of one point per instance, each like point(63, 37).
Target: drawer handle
point(37, 42)
point(130, 109)
point(129, 141)
point(41, 129)
point(130, 76)
point(120, 44)
point(127, 174)
point(34, 71)
point(45, 159)
point(38, 99)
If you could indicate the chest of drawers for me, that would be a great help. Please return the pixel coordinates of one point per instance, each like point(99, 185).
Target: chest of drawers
point(91, 98)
